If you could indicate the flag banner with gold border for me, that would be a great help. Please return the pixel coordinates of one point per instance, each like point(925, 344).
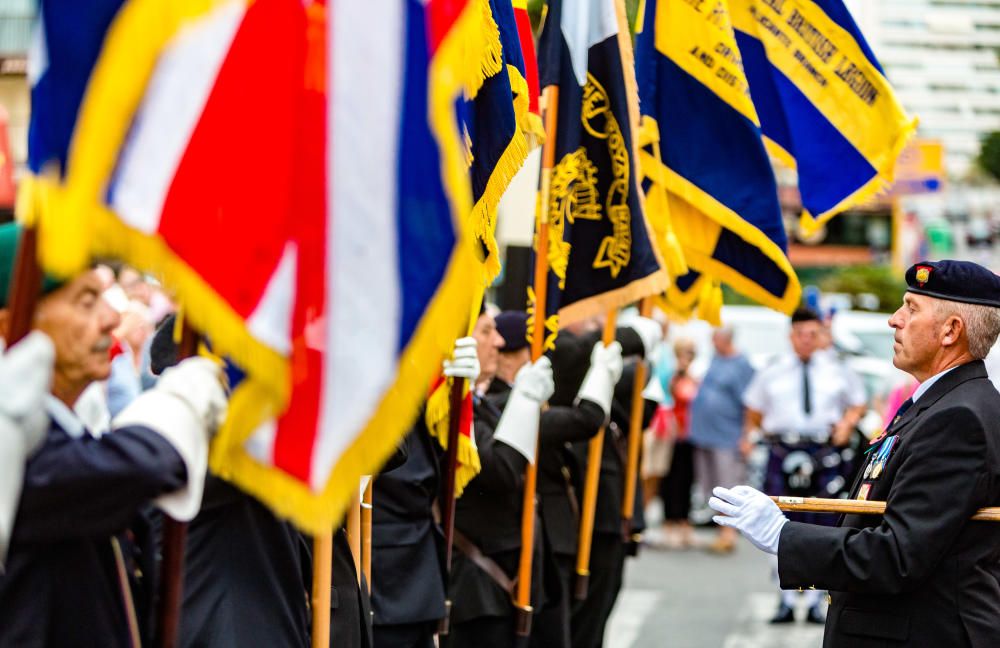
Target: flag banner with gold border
point(600, 249)
point(712, 170)
point(299, 181)
point(497, 121)
point(824, 102)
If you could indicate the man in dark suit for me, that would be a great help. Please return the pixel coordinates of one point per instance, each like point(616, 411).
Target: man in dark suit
point(488, 514)
point(70, 570)
point(508, 421)
point(561, 476)
point(923, 574)
point(408, 576)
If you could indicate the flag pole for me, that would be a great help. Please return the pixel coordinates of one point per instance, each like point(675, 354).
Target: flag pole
point(321, 583)
point(354, 531)
point(859, 507)
point(588, 506)
point(366, 534)
point(522, 598)
point(25, 286)
point(635, 434)
point(455, 397)
point(173, 539)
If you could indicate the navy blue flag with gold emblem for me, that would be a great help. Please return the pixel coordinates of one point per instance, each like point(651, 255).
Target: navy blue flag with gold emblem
point(600, 250)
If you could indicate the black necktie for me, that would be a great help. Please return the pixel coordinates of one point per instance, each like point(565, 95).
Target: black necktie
point(806, 391)
point(902, 410)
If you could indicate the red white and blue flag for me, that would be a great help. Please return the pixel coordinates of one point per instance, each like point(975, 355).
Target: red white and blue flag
point(296, 173)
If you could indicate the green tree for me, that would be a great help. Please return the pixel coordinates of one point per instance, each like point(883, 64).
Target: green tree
point(989, 155)
point(880, 281)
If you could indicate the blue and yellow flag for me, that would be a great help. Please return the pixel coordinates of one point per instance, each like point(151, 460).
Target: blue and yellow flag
point(825, 105)
point(600, 249)
point(713, 171)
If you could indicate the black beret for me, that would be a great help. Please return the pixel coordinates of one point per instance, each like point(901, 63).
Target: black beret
point(960, 281)
point(804, 314)
point(513, 328)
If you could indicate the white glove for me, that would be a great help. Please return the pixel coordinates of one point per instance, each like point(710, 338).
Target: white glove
point(605, 371)
point(649, 330)
point(465, 360)
point(752, 513)
point(186, 407)
point(12, 457)
point(25, 378)
point(518, 425)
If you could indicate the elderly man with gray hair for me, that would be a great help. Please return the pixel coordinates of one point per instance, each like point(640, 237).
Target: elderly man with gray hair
point(922, 574)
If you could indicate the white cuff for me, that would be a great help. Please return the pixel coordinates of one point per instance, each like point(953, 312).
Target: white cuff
point(11, 476)
point(174, 420)
point(518, 425)
point(597, 388)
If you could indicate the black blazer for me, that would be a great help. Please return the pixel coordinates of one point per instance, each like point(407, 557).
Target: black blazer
point(611, 485)
point(564, 449)
point(923, 574)
point(247, 575)
point(61, 586)
point(489, 511)
point(407, 545)
point(488, 514)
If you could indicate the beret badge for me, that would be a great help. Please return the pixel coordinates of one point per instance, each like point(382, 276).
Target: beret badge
point(923, 274)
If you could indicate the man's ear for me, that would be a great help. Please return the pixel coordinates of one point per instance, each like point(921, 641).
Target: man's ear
point(953, 328)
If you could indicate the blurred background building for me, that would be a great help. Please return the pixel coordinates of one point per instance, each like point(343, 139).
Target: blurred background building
point(942, 58)
point(16, 19)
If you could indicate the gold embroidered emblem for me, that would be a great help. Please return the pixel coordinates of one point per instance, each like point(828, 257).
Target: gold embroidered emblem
point(615, 251)
point(573, 194)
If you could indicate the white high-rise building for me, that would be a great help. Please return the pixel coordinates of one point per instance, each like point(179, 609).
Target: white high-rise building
point(943, 58)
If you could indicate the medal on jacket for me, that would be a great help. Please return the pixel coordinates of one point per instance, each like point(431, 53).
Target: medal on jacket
point(878, 464)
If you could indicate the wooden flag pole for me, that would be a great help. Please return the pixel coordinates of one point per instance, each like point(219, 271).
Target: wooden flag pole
point(859, 507)
point(635, 434)
point(25, 286)
point(522, 598)
point(174, 538)
point(322, 576)
point(588, 507)
point(354, 532)
point(366, 534)
point(455, 397)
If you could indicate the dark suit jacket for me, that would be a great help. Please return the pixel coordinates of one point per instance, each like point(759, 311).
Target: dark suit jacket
point(407, 544)
point(246, 575)
point(489, 511)
point(563, 452)
point(61, 585)
point(923, 574)
point(611, 485)
point(488, 514)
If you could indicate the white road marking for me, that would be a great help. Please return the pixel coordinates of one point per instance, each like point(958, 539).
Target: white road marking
point(754, 631)
point(630, 613)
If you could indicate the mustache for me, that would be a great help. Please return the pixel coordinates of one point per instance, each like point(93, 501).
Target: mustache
point(102, 345)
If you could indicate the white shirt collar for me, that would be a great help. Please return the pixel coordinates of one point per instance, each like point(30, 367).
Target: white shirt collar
point(64, 417)
point(927, 384)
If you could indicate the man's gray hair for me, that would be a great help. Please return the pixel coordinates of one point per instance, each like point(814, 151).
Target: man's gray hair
point(982, 324)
